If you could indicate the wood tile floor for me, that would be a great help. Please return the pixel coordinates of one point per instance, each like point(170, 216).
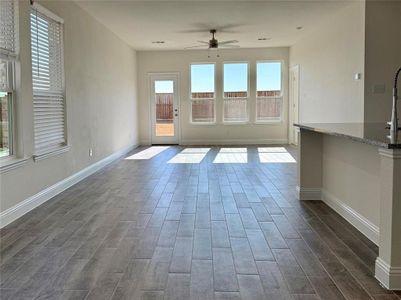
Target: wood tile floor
point(188, 223)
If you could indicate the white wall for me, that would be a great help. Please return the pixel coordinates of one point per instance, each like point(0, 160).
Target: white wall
point(383, 57)
point(328, 58)
point(100, 76)
point(179, 61)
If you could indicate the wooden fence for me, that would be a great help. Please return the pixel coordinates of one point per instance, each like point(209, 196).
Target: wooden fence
point(164, 107)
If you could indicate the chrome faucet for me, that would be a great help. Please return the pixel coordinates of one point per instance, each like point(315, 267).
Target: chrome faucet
point(394, 117)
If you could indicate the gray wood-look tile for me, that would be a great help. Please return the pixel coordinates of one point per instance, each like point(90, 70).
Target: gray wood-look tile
point(178, 287)
point(243, 258)
point(201, 280)
point(220, 238)
point(235, 227)
point(202, 244)
point(260, 249)
point(225, 278)
point(250, 287)
point(182, 255)
point(149, 229)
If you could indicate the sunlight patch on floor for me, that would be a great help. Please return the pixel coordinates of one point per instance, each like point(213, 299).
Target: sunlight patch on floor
point(148, 153)
point(275, 155)
point(189, 156)
point(231, 156)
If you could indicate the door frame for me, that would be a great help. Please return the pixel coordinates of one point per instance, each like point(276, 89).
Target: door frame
point(152, 114)
point(291, 136)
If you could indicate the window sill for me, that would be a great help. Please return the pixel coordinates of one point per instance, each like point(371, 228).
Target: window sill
point(39, 157)
point(236, 123)
point(278, 122)
point(203, 123)
point(12, 163)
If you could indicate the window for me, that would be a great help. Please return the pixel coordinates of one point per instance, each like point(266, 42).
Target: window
point(48, 81)
point(8, 55)
point(269, 100)
point(202, 93)
point(235, 92)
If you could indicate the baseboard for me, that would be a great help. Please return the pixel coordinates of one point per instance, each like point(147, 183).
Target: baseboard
point(17, 211)
point(388, 276)
point(234, 142)
point(309, 193)
point(370, 230)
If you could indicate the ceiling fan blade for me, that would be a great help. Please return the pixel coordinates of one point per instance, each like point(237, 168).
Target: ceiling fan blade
point(197, 46)
point(228, 42)
point(229, 46)
point(203, 42)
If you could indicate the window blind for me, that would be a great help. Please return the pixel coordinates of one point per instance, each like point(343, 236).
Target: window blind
point(48, 82)
point(7, 27)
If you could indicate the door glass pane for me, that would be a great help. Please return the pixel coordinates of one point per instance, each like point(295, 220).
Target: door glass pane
point(164, 93)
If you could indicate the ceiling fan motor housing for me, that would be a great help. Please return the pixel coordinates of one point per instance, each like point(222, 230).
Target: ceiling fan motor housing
point(213, 43)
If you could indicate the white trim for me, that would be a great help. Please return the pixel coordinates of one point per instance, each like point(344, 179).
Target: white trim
point(12, 163)
point(175, 77)
point(309, 193)
point(390, 153)
point(293, 131)
point(39, 157)
point(47, 13)
point(17, 211)
point(388, 276)
point(366, 227)
point(214, 122)
point(235, 142)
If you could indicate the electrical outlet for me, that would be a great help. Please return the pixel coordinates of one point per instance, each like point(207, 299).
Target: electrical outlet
point(90, 152)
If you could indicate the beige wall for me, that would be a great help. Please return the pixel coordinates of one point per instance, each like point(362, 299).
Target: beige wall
point(383, 57)
point(100, 76)
point(351, 176)
point(328, 59)
point(179, 61)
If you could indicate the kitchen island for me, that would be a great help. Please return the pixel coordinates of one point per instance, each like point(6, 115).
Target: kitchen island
point(356, 170)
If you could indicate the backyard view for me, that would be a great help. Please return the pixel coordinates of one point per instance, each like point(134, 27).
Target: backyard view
point(236, 95)
point(164, 93)
point(4, 130)
point(164, 114)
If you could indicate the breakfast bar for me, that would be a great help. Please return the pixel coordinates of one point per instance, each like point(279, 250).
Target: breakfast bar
point(356, 169)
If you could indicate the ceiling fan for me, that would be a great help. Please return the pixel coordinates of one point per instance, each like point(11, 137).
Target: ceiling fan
point(215, 44)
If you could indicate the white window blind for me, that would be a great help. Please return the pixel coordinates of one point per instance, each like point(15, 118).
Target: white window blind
point(48, 82)
point(8, 27)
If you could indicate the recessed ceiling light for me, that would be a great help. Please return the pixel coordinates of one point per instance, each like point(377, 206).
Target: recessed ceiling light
point(264, 39)
point(158, 42)
point(299, 27)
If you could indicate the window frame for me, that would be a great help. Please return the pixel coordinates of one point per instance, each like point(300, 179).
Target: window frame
point(191, 100)
point(281, 96)
point(11, 57)
point(64, 147)
point(11, 95)
point(247, 99)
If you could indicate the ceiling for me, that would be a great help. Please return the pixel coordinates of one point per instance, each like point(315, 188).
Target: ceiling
point(181, 23)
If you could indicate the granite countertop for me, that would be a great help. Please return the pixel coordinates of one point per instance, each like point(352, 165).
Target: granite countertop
point(368, 133)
